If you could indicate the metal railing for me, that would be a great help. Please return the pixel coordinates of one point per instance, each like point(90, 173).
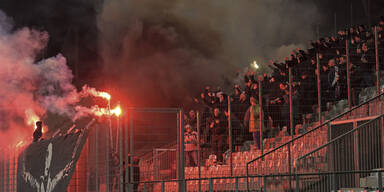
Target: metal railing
point(322, 181)
point(277, 160)
point(357, 149)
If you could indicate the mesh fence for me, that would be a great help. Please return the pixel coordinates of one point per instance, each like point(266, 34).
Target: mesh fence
point(226, 130)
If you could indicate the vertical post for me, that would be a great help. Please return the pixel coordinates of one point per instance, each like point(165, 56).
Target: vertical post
point(109, 143)
point(198, 147)
point(265, 183)
point(237, 184)
point(297, 183)
point(162, 186)
point(178, 154)
point(88, 167)
point(118, 133)
point(107, 158)
point(131, 150)
point(126, 128)
point(96, 160)
point(318, 87)
point(377, 63)
point(1, 173)
point(110, 125)
point(181, 156)
point(247, 174)
point(380, 181)
point(210, 188)
point(230, 134)
point(7, 173)
point(120, 130)
point(291, 126)
point(348, 75)
point(290, 102)
point(261, 116)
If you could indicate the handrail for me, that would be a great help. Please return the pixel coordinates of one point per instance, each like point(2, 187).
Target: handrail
point(312, 130)
point(270, 175)
point(339, 137)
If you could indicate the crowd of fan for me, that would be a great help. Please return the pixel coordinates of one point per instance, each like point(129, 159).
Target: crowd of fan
point(245, 114)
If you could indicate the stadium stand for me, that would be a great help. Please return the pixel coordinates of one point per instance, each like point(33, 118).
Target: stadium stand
point(355, 101)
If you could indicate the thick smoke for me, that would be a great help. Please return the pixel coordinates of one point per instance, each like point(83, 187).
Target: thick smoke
point(30, 87)
point(164, 51)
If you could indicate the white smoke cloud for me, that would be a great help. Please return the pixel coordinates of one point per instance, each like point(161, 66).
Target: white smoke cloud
point(30, 88)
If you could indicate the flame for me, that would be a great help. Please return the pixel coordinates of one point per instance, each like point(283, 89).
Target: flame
point(116, 111)
point(92, 91)
point(104, 95)
point(31, 118)
point(255, 65)
point(97, 111)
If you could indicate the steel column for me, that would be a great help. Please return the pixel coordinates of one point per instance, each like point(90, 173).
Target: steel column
point(181, 152)
point(377, 63)
point(261, 116)
point(230, 134)
point(291, 125)
point(348, 75)
point(318, 87)
point(131, 151)
point(198, 148)
point(121, 175)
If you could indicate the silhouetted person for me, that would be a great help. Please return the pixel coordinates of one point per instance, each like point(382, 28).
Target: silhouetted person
point(38, 131)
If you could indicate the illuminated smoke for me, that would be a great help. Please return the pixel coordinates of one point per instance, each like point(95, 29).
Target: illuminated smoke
point(30, 87)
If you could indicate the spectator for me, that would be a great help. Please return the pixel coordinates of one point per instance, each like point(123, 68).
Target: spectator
point(191, 120)
point(218, 126)
point(252, 121)
point(222, 102)
point(333, 68)
point(190, 141)
point(38, 133)
point(367, 60)
point(333, 81)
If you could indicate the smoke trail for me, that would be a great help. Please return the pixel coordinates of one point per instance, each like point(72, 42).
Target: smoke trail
point(163, 51)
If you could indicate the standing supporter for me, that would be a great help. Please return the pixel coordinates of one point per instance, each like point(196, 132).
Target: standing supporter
point(252, 121)
point(190, 141)
point(191, 120)
point(333, 81)
point(218, 126)
point(368, 64)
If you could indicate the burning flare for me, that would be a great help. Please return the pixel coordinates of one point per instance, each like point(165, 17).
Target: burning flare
point(93, 92)
point(96, 111)
point(31, 118)
point(116, 111)
point(255, 65)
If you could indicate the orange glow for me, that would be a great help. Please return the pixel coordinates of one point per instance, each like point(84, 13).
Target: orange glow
point(116, 111)
point(31, 118)
point(97, 111)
